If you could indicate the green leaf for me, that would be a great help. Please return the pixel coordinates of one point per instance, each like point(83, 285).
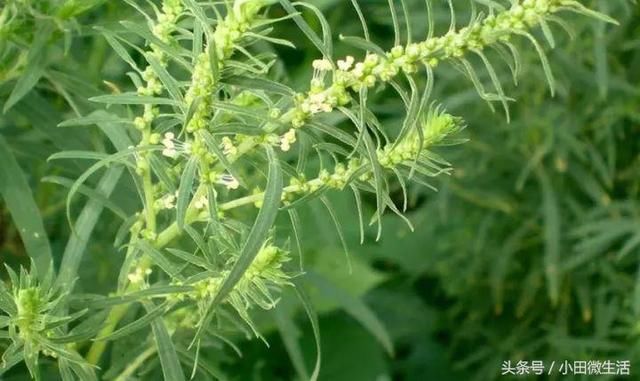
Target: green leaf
point(260, 230)
point(24, 211)
point(174, 52)
point(93, 301)
point(315, 327)
point(257, 236)
point(94, 118)
point(260, 83)
point(35, 66)
point(323, 46)
point(118, 47)
point(336, 222)
point(159, 259)
point(378, 180)
point(133, 99)
point(214, 147)
point(356, 308)
point(185, 190)
point(360, 43)
point(327, 39)
point(552, 234)
point(136, 325)
point(170, 83)
point(169, 360)
point(289, 333)
point(77, 244)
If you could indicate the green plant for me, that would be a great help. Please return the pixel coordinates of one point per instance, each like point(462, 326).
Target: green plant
point(216, 145)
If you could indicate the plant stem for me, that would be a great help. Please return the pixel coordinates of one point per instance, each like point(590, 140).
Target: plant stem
point(98, 347)
point(135, 364)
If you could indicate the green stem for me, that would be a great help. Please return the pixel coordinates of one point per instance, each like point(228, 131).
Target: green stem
point(98, 347)
point(135, 364)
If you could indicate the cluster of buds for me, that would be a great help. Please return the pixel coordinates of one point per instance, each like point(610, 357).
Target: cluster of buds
point(139, 275)
point(434, 128)
point(351, 75)
point(144, 122)
point(227, 34)
point(264, 273)
point(202, 85)
point(233, 27)
point(31, 315)
point(171, 10)
point(152, 85)
point(287, 140)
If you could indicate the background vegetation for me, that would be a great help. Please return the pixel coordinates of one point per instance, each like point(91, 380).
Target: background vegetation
point(529, 250)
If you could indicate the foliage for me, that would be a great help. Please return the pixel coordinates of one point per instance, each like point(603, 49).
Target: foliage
point(238, 158)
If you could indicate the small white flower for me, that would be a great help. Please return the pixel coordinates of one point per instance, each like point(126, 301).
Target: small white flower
point(287, 139)
point(316, 103)
point(227, 146)
point(169, 146)
point(358, 70)
point(322, 65)
point(345, 64)
point(172, 147)
point(168, 201)
point(229, 181)
point(138, 275)
point(201, 203)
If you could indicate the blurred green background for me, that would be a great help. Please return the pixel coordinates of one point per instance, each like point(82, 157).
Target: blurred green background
point(529, 251)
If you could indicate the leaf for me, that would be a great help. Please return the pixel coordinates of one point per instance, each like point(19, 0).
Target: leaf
point(356, 308)
point(170, 83)
point(136, 325)
point(90, 193)
point(185, 190)
point(93, 301)
point(324, 47)
point(336, 222)
point(315, 327)
point(94, 118)
point(41, 114)
point(289, 333)
point(326, 29)
point(361, 43)
point(85, 224)
point(35, 66)
point(295, 226)
point(118, 47)
point(363, 23)
point(552, 233)
point(169, 361)
point(260, 83)
point(396, 24)
point(18, 198)
point(159, 259)
point(378, 179)
point(257, 236)
point(580, 8)
point(171, 51)
point(544, 60)
point(133, 99)
point(260, 229)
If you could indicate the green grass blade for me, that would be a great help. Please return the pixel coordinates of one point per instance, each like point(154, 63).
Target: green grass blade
point(260, 230)
point(169, 360)
point(19, 200)
point(356, 308)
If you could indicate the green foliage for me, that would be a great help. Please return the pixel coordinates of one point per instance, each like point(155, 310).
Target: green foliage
point(241, 147)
